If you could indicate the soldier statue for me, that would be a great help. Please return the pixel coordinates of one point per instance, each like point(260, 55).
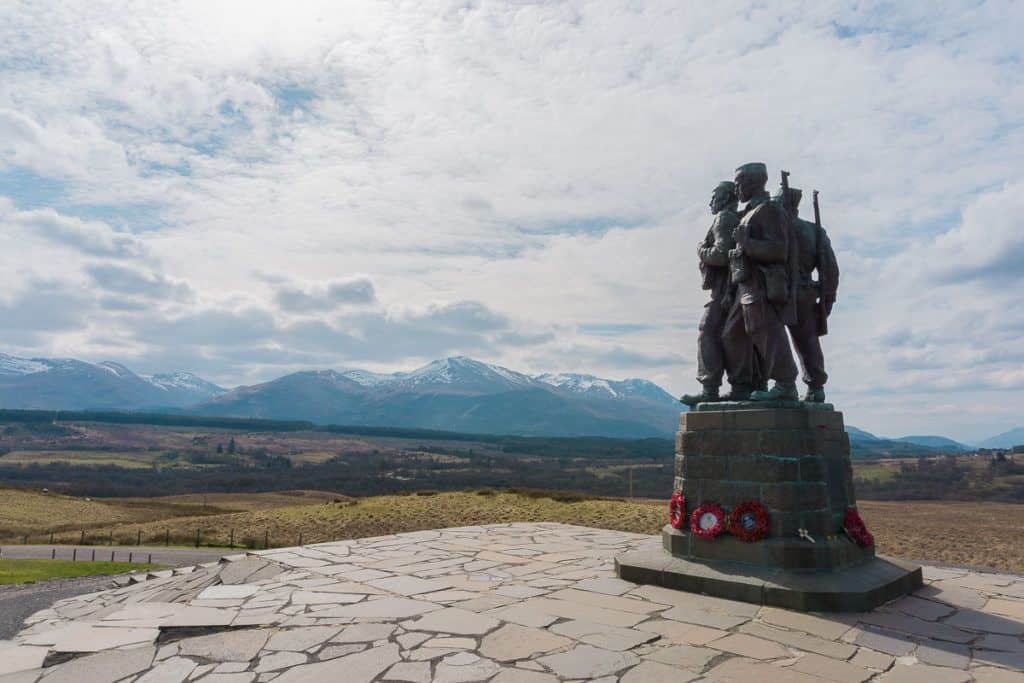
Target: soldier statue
point(814, 299)
point(713, 254)
point(762, 266)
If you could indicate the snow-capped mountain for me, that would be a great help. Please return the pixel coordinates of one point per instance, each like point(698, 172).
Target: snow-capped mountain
point(460, 394)
point(456, 394)
point(458, 373)
point(597, 387)
point(184, 381)
point(66, 383)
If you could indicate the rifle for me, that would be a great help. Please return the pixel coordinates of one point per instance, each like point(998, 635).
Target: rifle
point(822, 311)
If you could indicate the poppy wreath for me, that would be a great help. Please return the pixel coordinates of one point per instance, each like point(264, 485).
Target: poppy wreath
point(855, 528)
point(748, 521)
point(708, 521)
point(677, 510)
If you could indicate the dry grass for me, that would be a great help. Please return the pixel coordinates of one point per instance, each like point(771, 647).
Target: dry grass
point(35, 514)
point(982, 534)
point(126, 459)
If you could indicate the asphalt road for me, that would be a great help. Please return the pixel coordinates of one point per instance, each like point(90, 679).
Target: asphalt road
point(17, 602)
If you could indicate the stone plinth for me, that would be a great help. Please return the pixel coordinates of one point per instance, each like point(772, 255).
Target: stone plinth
point(793, 458)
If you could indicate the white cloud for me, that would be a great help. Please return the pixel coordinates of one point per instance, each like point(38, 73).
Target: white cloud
point(548, 162)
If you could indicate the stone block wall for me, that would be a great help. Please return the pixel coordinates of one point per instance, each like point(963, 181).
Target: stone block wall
point(794, 461)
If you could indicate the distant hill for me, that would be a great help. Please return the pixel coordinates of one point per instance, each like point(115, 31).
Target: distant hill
point(1014, 437)
point(66, 383)
point(860, 435)
point(460, 394)
point(939, 442)
point(864, 444)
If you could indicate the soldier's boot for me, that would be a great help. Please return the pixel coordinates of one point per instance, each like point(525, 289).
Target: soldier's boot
point(708, 394)
point(737, 392)
point(782, 391)
point(814, 395)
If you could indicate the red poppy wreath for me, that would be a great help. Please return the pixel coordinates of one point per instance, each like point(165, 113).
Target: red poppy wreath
point(855, 528)
point(677, 510)
point(708, 521)
point(748, 521)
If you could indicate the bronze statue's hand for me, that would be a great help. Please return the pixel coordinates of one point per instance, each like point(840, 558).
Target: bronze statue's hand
point(827, 305)
point(735, 253)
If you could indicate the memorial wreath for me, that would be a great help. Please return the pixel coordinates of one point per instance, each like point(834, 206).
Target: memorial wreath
point(748, 521)
point(708, 521)
point(855, 528)
point(677, 510)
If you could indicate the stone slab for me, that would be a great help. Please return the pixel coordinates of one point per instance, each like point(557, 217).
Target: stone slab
point(856, 589)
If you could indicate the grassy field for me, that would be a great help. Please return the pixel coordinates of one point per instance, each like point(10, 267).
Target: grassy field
point(129, 459)
point(982, 534)
point(30, 571)
point(36, 515)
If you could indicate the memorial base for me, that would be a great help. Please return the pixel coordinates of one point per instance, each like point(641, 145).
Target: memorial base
point(793, 459)
point(853, 589)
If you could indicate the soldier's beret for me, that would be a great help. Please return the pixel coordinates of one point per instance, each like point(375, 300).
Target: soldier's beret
point(726, 185)
point(753, 168)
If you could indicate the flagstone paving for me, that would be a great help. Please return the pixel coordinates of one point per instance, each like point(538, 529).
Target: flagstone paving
point(515, 603)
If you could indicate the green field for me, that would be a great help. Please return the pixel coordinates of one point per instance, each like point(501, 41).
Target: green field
point(30, 571)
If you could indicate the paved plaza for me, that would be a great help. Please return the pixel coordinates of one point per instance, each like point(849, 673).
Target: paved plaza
point(516, 603)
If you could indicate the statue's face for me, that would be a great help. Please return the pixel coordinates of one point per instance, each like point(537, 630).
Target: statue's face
point(747, 186)
point(719, 198)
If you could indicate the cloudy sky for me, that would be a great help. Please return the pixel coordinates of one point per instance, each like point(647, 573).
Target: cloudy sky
point(244, 189)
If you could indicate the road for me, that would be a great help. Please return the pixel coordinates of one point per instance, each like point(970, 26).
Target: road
point(17, 602)
point(171, 557)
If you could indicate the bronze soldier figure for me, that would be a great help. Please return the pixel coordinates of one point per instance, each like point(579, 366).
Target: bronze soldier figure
point(713, 253)
point(754, 337)
point(814, 299)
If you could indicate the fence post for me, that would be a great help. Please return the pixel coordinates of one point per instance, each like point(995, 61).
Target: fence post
point(266, 538)
point(130, 558)
point(111, 538)
point(167, 537)
point(231, 543)
point(81, 541)
point(111, 555)
point(53, 553)
point(197, 538)
point(138, 538)
point(300, 538)
point(94, 554)
point(150, 560)
point(74, 555)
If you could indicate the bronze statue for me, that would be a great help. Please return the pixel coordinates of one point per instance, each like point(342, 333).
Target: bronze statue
point(814, 299)
point(713, 253)
point(763, 268)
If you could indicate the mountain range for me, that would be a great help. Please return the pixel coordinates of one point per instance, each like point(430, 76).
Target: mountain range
point(454, 394)
point(865, 444)
point(69, 384)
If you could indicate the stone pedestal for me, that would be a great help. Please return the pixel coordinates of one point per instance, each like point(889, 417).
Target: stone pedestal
point(793, 458)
